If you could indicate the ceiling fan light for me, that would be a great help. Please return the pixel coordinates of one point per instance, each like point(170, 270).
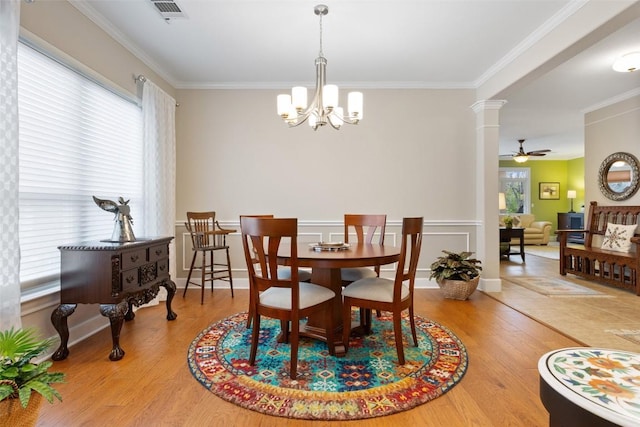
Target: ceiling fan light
point(627, 63)
point(519, 158)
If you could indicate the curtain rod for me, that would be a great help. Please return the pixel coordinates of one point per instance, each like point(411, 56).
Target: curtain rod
point(140, 78)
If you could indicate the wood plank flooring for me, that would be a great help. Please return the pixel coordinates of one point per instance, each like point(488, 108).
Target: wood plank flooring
point(610, 319)
point(153, 386)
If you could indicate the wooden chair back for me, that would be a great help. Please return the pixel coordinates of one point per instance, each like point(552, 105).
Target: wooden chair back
point(599, 216)
point(255, 259)
point(261, 240)
point(409, 255)
point(202, 227)
point(365, 227)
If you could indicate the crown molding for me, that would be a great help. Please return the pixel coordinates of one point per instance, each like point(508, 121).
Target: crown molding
point(87, 10)
point(533, 38)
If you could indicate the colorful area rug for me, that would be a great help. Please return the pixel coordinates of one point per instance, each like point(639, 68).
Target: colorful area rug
point(366, 383)
point(553, 286)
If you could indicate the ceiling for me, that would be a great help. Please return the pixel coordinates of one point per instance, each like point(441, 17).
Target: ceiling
point(381, 44)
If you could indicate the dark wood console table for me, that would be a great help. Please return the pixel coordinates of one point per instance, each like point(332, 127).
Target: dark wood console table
point(506, 234)
point(115, 275)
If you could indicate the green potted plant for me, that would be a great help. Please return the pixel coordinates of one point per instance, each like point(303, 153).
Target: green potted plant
point(20, 377)
point(508, 221)
point(457, 274)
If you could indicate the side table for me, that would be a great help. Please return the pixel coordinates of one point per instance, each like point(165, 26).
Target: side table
point(115, 275)
point(506, 234)
point(586, 386)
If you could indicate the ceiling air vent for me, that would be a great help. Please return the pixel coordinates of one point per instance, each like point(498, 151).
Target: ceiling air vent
point(168, 9)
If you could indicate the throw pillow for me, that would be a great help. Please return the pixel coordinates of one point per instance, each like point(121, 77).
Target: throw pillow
point(618, 237)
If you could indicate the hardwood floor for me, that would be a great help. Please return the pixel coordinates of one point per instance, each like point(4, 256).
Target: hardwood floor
point(153, 386)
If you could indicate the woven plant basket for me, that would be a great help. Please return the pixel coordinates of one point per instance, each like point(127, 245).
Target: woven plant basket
point(12, 414)
point(459, 289)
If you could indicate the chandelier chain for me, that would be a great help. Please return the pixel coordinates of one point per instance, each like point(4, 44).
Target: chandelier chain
point(321, 36)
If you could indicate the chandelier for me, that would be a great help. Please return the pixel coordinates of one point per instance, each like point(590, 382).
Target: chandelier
point(324, 107)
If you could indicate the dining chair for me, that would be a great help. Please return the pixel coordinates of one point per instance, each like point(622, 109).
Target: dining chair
point(283, 272)
point(376, 293)
point(365, 227)
point(208, 237)
point(288, 300)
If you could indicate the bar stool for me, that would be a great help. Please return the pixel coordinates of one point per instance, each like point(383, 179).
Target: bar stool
point(208, 237)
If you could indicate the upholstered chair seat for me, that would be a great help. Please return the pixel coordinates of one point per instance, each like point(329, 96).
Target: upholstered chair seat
point(374, 288)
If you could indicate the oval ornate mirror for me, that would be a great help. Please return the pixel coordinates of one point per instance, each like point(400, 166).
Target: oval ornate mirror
point(618, 176)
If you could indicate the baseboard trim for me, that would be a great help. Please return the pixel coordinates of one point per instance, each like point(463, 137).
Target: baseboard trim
point(490, 285)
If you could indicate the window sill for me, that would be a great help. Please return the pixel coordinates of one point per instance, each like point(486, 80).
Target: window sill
point(40, 291)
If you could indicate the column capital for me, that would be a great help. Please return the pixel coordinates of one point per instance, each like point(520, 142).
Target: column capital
point(488, 104)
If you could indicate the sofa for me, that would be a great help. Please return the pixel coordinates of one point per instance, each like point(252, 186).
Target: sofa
point(535, 232)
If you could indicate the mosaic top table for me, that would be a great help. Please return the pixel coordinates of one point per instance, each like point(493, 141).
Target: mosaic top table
point(585, 386)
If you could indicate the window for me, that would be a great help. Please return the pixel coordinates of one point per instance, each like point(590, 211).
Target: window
point(516, 186)
point(77, 140)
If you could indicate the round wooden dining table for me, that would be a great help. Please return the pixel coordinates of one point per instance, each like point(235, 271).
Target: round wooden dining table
point(325, 270)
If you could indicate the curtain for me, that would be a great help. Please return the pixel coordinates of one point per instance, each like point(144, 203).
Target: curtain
point(158, 112)
point(9, 243)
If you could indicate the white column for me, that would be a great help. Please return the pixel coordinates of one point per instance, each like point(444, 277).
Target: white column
point(488, 244)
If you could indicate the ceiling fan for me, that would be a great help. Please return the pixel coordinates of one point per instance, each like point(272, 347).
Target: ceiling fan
point(521, 156)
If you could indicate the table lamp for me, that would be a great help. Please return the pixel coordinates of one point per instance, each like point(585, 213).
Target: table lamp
point(502, 202)
point(571, 194)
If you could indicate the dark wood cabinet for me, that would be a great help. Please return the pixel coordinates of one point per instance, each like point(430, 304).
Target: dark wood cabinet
point(572, 221)
point(506, 234)
point(115, 275)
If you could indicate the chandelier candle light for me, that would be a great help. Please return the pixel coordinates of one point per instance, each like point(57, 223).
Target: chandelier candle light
point(324, 107)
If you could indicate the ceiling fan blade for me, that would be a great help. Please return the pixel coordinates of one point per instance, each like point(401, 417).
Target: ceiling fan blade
point(533, 153)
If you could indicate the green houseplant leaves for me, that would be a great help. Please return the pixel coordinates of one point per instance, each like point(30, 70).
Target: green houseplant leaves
point(455, 266)
point(19, 376)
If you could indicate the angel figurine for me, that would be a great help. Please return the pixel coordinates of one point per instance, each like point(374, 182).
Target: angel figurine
point(122, 231)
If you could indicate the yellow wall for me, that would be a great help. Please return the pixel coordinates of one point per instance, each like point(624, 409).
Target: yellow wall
point(570, 175)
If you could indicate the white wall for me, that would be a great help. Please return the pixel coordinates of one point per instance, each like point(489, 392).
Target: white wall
point(411, 155)
point(609, 130)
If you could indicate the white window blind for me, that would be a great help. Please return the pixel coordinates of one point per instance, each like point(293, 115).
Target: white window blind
point(77, 140)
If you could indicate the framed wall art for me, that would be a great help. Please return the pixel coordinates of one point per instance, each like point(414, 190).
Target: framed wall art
point(549, 191)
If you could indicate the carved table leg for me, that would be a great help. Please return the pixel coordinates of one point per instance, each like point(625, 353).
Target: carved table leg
point(59, 320)
point(170, 286)
point(130, 314)
point(115, 313)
